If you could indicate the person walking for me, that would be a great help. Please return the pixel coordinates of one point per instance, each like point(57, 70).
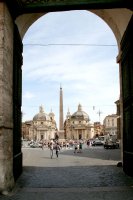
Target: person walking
point(80, 147)
point(51, 146)
point(57, 148)
point(75, 147)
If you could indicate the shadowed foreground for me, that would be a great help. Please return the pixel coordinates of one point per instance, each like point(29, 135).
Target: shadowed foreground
point(92, 174)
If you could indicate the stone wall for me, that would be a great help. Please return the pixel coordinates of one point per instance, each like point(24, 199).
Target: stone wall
point(6, 104)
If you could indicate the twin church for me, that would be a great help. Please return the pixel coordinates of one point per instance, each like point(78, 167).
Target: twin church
point(43, 126)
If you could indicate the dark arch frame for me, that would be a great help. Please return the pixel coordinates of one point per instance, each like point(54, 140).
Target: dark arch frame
point(19, 7)
point(126, 62)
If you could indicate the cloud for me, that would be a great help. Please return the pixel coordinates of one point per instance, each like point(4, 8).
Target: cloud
point(97, 72)
point(70, 25)
point(89, 74)
point(28, 95)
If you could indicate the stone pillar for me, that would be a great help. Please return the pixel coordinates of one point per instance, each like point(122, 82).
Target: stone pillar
point(119, 104)
point(6, 100)
point(127, 97)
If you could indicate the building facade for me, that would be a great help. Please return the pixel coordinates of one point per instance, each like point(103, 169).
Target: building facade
point(77, 126)
point(42, 127)
point(98, 129)
point(110, 124)
point(26, 126)
point(118, 112)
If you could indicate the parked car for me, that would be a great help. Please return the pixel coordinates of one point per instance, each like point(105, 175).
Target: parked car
point(34, 145)
point(111, 142)
point(97, 142)
point(111, 145)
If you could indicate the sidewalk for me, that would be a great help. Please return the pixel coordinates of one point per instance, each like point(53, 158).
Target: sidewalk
point(91, 175)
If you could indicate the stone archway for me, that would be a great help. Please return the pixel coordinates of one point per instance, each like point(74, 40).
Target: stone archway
point(12, 29)
point(117, 20)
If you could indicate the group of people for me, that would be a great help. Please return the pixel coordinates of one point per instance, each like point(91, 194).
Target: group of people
point(54, 146)
point(78, 148)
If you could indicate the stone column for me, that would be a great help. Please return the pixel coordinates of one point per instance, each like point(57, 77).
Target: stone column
point(126, 64)
point(6, 104)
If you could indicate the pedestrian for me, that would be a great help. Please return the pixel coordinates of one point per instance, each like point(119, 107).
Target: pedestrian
point(80, 147)
point(88, 143)
point(75, 148)
point(57, 148)
point(51, 146)
point(42, 142)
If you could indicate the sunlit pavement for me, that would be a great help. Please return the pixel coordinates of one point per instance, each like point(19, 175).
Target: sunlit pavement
point(90, 175)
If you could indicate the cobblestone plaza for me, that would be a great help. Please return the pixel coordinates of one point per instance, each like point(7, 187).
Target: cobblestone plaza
point(92, 174)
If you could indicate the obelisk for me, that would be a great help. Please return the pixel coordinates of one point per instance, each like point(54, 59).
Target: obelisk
point(61, 118)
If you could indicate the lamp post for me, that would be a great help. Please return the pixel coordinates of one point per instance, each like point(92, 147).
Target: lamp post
point(99, 113)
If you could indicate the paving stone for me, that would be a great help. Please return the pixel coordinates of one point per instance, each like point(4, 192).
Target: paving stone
point(90, 175)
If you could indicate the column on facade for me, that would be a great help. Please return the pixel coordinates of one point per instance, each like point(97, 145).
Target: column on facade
point(84, 132)
point(77, 135)
point(81, 134)
point(6, 104)
point(71, 134)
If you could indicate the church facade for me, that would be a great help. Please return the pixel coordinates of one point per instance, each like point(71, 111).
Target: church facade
point(77, 126)
point(42, 127)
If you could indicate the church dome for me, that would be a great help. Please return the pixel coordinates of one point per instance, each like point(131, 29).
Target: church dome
point(41, 116)
point(80, 114)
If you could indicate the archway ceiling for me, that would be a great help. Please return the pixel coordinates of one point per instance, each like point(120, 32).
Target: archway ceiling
point(18, 7)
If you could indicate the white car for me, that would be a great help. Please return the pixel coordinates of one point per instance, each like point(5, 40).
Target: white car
point(97, 142)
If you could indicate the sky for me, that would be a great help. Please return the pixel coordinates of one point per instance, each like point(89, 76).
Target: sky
point(74, 49)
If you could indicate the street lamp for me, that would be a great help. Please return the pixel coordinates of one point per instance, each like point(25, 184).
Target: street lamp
point(99, 113)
